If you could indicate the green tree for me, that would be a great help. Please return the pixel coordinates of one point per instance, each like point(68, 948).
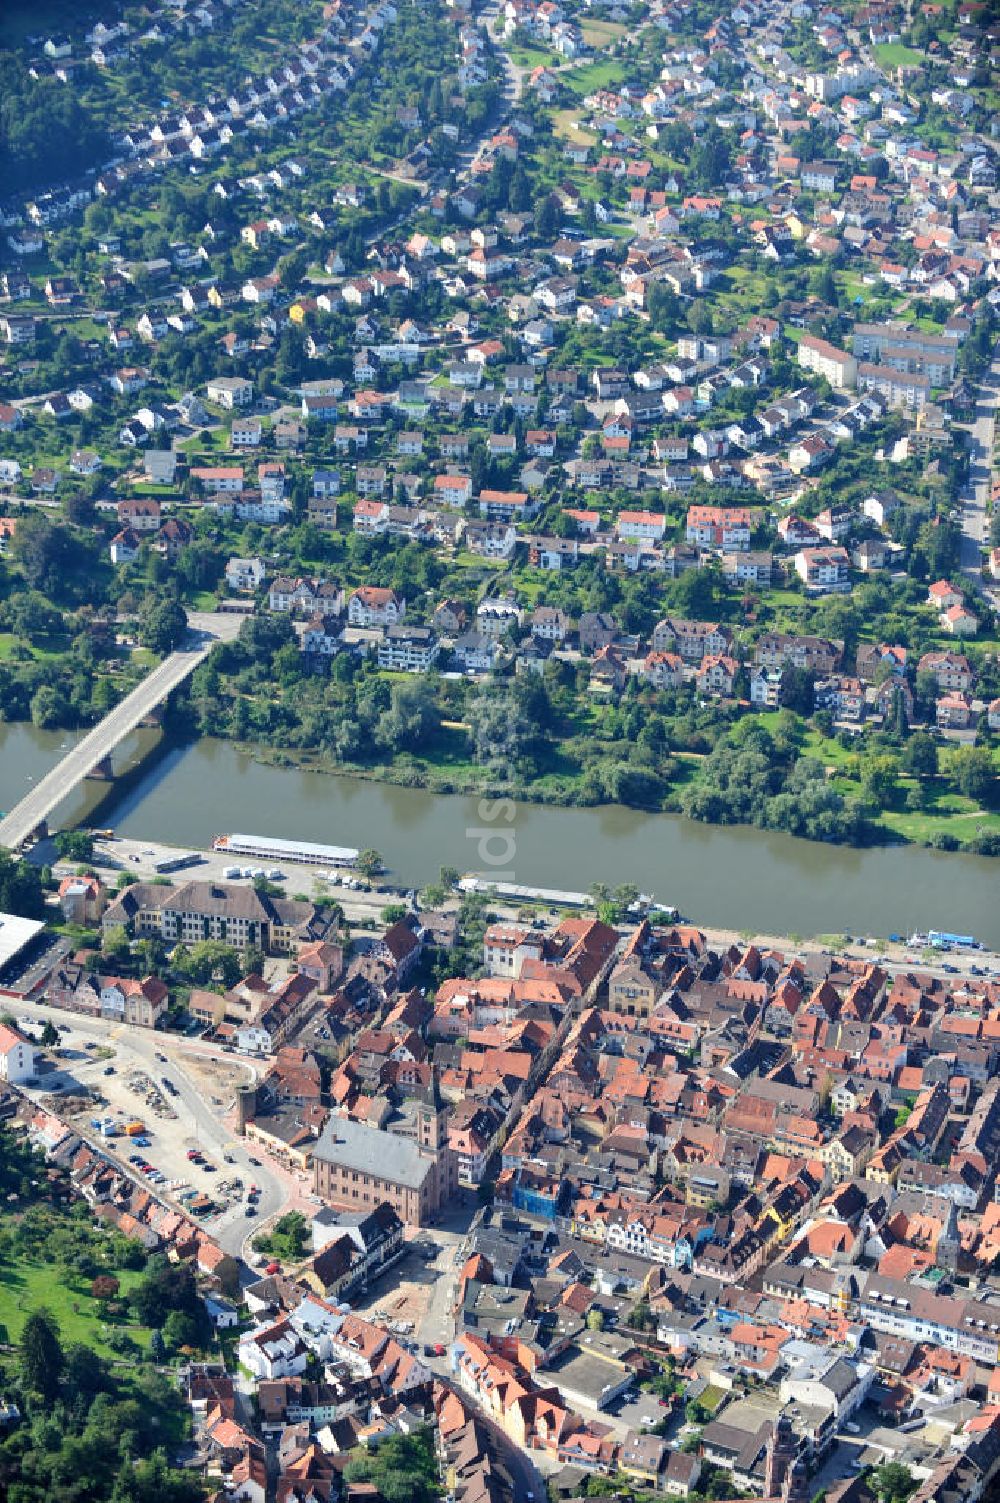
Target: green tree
point(21, 889)
point(797, 689)
point(43, 550)
point(164, 626)
point(547, 217)
point(893, 1482)
point(209, 960)
point(115, 943)
point(710, 158)
point(288, 1239)
point(878, 780)
point(404, 1468)
point(641, 1316)
point(50, 708)
point(973, 772)
point(41, 1360)
point(261, 637)
point(180, 1329)
point(920, 755)
point(85, 1374)
point(412, 717)
point(74, 845)
point(164, 1288)
point(153, 1480)
point(369, 862)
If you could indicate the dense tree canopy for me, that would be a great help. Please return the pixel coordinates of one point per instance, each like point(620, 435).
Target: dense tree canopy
point(46, 135)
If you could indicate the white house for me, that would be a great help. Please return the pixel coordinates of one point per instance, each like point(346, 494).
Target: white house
point(274, 1352)
point(245, 575)
point(373, 606)
point(230, 392)
point(223, 1315)
point(17, 1056)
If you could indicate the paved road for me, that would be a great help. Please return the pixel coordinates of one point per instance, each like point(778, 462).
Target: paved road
point(975, 524)
point(99, 743)
point(514, 75)
point(137, 1049)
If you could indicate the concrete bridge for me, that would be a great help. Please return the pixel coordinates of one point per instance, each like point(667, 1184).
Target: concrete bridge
point(91, 757)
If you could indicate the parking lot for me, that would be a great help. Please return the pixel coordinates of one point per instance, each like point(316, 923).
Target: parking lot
point(135, 1111)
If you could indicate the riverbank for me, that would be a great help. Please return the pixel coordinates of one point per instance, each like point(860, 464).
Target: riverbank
point(726, 877)
point(947, 821)
point(147, 860)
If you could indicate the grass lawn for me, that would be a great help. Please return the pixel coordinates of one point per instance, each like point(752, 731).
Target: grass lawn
point(600, 33)
point(851, 287)
point(711, 1398)
point(147, 488)
point(897, 55)
point(923, 826)
point(204, 600)
point(26, 1285)
point(568, 130)
point(450, 749)
point(945, 811)
point(584, 81)
point(532, 57)
point(826, 750)
point(45, 647)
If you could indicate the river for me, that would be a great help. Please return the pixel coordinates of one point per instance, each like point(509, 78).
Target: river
point(735, 877)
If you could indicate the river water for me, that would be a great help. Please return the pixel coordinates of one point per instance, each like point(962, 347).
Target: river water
point(736, 877)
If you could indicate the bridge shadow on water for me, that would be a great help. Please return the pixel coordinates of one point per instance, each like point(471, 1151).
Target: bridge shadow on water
point(116, 800)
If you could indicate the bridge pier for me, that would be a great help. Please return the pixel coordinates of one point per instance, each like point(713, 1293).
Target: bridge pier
point(91, 757)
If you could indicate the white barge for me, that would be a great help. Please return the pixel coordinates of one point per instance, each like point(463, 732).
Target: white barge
point(299, 852)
